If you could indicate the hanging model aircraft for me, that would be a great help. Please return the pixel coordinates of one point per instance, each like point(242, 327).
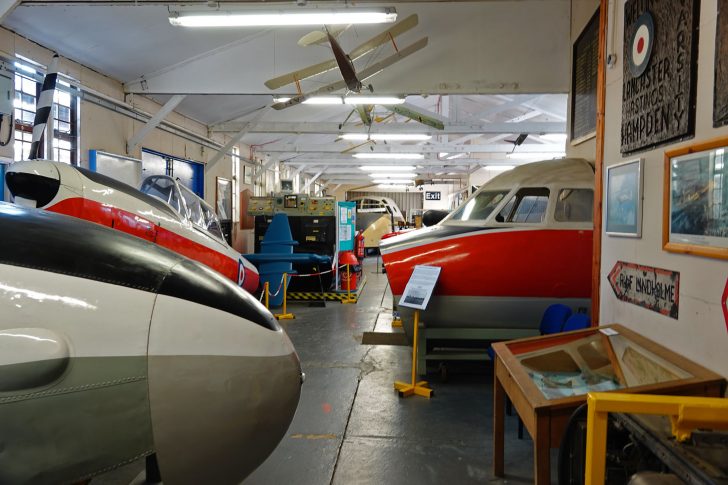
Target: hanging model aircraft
point(520, 243)
point(113, 348)
point(352, 80)
point(180, 221)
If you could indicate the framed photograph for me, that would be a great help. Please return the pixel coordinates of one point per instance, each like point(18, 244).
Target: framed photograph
point(695, 200)
point(624, 199)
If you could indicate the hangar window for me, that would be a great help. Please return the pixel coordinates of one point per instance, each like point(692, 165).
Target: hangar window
point(574, 205)
point(479, 207)
point(527, 206)
point(65, 116)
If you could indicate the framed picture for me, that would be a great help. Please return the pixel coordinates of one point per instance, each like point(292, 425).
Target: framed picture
point(624, 199)
point(695, 200)
point(584, 74)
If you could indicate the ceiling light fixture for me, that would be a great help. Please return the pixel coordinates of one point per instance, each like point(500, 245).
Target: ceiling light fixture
point(393, 181)
point(281, 99)
point(387, 168)
point(396, 175)
point(392, 156)
point(457, 155)
point(230, 17)
point(383, 100)
point(558, 137)
point(323, 100)
point(385, 136)
point(535, 155)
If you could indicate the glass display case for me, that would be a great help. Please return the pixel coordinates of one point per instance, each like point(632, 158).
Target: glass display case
point(547, 378)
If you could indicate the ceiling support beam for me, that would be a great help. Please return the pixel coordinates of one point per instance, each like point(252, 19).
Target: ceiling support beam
point(333, 128)
point(154, 121)
point(338, 148)
point(238, 136)
point(6, 8)
point(312, 180)
point(263, 168)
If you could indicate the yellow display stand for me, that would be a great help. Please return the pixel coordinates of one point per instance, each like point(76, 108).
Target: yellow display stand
point(285, 315)
point(266, 289)
point(420, 388)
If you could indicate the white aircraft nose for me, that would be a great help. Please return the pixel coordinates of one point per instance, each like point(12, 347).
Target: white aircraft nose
point(223, 387)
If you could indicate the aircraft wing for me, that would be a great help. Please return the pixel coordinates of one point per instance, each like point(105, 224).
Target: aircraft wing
point(388, 61)
point(322, 67)
point(421, 117)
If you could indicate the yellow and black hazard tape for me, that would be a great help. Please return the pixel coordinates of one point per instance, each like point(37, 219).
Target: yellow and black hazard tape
point(310, 295)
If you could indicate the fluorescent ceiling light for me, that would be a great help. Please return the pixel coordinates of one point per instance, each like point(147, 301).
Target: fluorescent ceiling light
point(535, 155)
point(323, 100)
point(560, 137)
point(392, 156)
point(387, 168)
point(501, 168)
point(281, 99)
point(300, 16)
point(385, 136)
point(393, 181)
point(403, 175)
point(393, 186)
point(373, 100)
point(457, 155)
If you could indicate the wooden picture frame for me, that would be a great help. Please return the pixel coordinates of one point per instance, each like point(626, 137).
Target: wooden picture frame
point(695, 197)
point(623, 198)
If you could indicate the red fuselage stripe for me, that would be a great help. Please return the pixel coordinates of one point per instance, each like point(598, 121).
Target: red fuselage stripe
point(137, 226)
point(537, 263)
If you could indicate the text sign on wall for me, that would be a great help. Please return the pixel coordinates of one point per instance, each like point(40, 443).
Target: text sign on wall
point(659, 72)
point(653, 288)
point(432, 195)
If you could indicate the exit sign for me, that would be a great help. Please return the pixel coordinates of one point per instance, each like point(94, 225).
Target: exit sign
point(432, 195)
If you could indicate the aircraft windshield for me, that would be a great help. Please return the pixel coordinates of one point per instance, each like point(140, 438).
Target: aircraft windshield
point(200, 214)
point(479, 207)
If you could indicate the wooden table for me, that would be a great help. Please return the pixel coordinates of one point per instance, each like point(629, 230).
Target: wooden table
point(545, 419)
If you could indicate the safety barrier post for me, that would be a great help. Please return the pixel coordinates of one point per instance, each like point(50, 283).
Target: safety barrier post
point(285, 315)
point(349, 299)
point(266, 289)
point(420, 388)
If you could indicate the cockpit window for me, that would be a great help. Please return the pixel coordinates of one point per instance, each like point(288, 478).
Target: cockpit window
point(200, 214)
point(165, 189)
point(574, 205)
point(527, 206)
point(479, 207)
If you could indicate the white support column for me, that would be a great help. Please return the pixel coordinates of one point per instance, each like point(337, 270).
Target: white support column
point(154, 121)
point(263, 168)
point(238, 136)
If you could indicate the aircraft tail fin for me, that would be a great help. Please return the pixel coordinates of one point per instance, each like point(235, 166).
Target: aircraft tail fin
point(44, 107)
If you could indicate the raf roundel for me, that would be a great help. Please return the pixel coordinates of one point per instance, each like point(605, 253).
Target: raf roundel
point(642, 40)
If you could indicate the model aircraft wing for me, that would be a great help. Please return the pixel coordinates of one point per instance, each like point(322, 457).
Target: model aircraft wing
point(386, 36)
point(328, 89)
point(388, 61)
point(322, 67)
point(415, 115)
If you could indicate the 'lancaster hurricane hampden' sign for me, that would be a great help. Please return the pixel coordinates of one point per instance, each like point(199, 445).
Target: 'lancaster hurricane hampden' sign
point(653, 288)
point(659, 75)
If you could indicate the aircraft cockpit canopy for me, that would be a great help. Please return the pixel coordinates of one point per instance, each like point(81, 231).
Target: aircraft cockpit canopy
point(185, 202)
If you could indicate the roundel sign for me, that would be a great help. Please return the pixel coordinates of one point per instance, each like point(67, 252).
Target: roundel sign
point(642, 40)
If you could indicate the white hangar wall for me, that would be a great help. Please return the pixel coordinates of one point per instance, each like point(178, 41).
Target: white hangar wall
point(103, 129)
point(700, 332)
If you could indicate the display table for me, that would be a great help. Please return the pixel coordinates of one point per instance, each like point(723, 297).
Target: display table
point(547, 378)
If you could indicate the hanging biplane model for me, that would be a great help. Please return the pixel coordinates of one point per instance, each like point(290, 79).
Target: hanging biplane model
point(352, 80)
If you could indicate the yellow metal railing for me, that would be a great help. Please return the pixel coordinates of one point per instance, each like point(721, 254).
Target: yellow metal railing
point(686, 414)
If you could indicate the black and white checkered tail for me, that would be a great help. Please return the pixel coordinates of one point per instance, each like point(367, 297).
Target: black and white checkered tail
point(44, 106)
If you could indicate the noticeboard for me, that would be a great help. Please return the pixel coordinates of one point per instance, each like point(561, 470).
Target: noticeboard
point(346, 225)
point(419, 287)
point(584, 67)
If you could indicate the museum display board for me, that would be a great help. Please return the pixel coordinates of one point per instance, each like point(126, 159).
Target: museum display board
point(548, 377)
point(720, 90)
point(584, 62)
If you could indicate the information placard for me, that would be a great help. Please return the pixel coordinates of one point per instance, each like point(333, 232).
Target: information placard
point(420, 286)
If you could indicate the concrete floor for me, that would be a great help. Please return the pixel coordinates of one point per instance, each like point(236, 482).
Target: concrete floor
point(352, 428)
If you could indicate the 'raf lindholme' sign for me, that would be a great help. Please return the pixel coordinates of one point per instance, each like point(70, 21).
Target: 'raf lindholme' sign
point(653, 288)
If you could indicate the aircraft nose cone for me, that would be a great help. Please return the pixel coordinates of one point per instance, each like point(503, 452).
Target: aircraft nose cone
point(223, 388)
